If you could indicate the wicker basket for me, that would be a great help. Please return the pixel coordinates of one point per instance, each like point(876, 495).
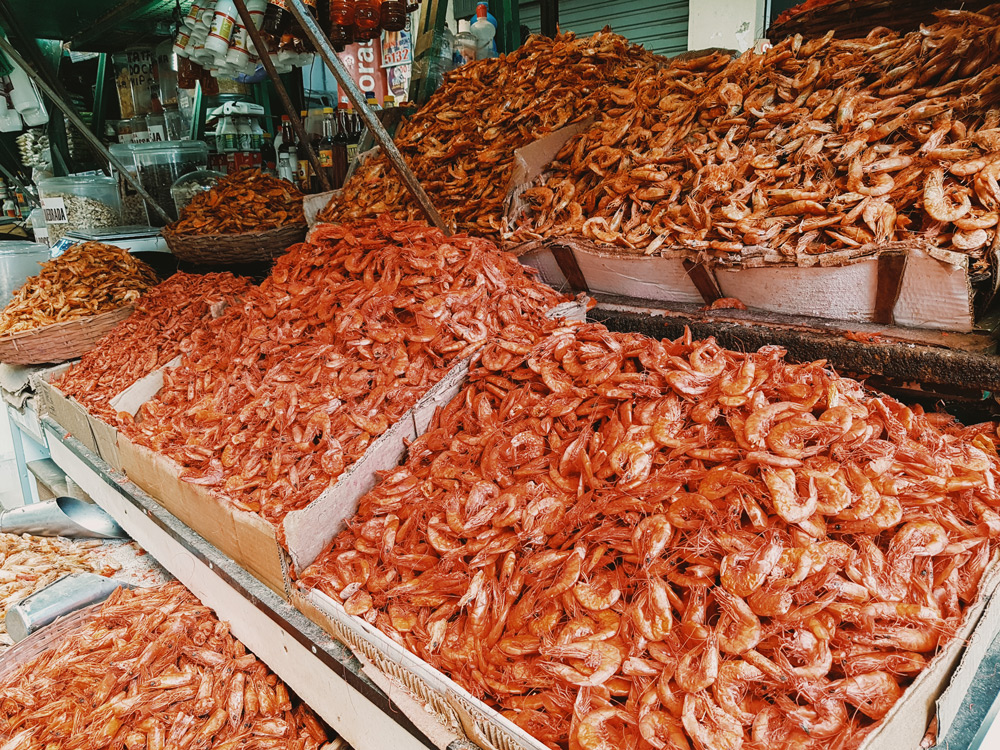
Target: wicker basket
point(45, 639)
point(223, 249)
point(60, 341)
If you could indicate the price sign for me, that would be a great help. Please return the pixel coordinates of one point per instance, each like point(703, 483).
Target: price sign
point(54, 210)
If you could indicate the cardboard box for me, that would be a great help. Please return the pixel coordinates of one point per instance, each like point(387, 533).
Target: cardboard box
point(67, 412)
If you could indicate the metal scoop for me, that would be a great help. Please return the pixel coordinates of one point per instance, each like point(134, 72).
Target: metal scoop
point(64, 516)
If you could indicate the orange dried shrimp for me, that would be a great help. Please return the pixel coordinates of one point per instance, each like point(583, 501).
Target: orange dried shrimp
point(461, 143)
point(812, 147)
point(675, 545)
point(152, 336)
point(247, 201)
point(278, 396)
point(87, 279)
point(153, 669)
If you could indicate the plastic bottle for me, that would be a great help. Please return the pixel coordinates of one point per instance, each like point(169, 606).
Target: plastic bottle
point(9, 207)
point(10, 119)
point(366, 18)
point(304, 174)
point(465, 44)
point(484, 31)
point(341, 23)
point(268, 156)
point(26, 99)
point(181, 41)
point(224, 23)
point(341, 13)
point(392, 15)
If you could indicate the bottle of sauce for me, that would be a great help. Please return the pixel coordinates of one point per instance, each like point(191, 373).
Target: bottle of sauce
point(341, 138)
point(341, 23)
point(277, 18)
point(366, 19)
point(328, 148)
point(268, 156)
point(305, 171)
point(288, 160)
point(392, 15)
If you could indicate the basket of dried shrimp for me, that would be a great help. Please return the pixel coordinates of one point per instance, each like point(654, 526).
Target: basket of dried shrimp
point(225, 249)
point(59, 342)
point(246, 217)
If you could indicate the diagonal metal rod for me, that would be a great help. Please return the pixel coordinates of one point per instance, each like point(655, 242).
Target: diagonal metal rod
point(382, 137)
point(272, 73)
point(80, 125)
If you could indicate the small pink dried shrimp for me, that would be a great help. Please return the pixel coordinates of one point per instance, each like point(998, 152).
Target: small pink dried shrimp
point(149, 338)
point(623, 542)
point(153, 669)
point(277, 397)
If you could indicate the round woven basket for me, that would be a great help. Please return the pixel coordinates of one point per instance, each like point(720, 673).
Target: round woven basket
point(60, 341)
point(221, 249)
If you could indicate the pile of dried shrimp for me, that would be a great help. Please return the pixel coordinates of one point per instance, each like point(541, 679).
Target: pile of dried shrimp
point(152, 336)
point(817, 146)
point(246, 201)
point(153, 669)
point(277, 397)
point(623, 542)
point(87, 279)
point(30, 563)
point(461, 143)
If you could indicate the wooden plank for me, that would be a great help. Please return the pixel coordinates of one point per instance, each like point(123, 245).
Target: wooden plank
point(962, 361)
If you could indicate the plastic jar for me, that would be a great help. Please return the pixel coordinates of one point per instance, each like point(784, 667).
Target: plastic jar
point(18, 261)
point(71, 203)
point(133, 206)
point(188, 186)
point(159, 166)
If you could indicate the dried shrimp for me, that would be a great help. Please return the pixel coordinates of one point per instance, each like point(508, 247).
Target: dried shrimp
point(813, 147)
point(461, 143)
point(275, 398)
point(617, 541)
point(30, 563)
point(87, 279)
point(246, 201)
point(152, 669)
point(152, 336)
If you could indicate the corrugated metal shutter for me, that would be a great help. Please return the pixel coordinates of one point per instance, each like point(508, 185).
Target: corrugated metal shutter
point(659, 26)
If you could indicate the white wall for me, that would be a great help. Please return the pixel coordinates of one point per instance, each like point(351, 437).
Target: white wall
point(732, 24)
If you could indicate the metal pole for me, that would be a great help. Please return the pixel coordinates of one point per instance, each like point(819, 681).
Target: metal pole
point(344, 80)
point(286, 101)
point(74, 118)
